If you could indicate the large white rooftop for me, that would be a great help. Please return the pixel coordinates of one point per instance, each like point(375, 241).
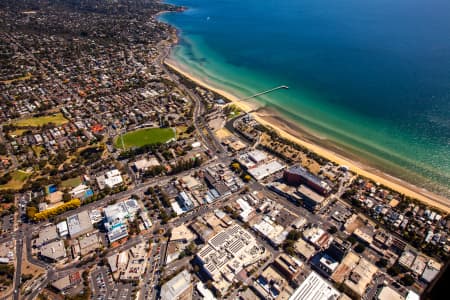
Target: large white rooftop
point(315, 288)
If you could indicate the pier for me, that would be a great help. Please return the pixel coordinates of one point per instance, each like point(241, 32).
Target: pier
point(265, 92)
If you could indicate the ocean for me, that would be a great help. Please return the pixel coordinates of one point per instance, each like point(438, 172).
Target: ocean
point(371, 78)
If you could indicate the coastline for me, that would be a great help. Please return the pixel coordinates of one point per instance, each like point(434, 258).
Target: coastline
point(286, 131)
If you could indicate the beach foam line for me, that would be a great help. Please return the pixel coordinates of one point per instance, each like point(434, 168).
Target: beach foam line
point(377, 176)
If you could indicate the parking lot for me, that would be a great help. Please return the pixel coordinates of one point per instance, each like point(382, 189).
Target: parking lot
point(104, 287)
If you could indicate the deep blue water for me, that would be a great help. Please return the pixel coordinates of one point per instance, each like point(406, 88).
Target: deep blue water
point(372, 76)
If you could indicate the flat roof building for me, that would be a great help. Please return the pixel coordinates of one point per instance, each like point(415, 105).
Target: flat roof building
point(388, 293)
point(304, 249)
point(312, 200)
point(116, 230)
point(67, 282)
point(266, 169)
point(110, 179)
point(63, 230)
point(318, 237)
point(79, 224)
point(53, 251)
point(89, 243)
point(298, 175)
point(227, 253)
point(315, 288)
point(185, 201)
point(182, 233)
point(146, 164)
point(179, 287)
point(360, 277)
point(288, 266)
point(46, 235)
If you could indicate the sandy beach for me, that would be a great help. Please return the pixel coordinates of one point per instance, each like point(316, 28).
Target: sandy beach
point(288, 132)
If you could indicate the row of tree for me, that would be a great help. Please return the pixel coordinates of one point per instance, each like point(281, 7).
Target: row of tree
point(34, 215)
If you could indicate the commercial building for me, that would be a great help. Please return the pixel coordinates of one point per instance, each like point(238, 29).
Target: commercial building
point(310, 199)
point(110, 179)
point(288, 266)
point(116, 230)
point(185, 201)
point(304, 249)
point(388, 293)
point(359, 278)
point(67, 282)
point(315, 288)
point(79, 224)
point(63, 229)
point(270, 284)
point(431, 271)
point(251, 159)
point(53, 251)
point(137, 257)
point(46, 235)
point(324, 264)
point(227, 253)
point(121, 211)
point(182, 234)
point(364, 234)
point(338, 249)
point(266, 169)
point(274, 233)
point(87, 244)
point(407, 258)
point(298, 175)
point(247, 211)
point(146, 164)
point(318, 237)
point(178, 288)
point(204, 292)
point(345, 267)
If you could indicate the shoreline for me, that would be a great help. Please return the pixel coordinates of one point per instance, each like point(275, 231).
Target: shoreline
point(285, 131)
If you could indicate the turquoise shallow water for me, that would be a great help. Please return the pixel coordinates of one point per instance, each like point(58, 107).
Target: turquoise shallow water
point(372, 77)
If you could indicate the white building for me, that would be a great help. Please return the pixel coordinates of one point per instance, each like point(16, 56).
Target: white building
point(227, 253)
point(315, 288)
point(110, 179)
point(176, 287)
point(63, 230)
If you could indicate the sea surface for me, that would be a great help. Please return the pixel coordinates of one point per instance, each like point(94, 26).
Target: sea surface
point(371, 77)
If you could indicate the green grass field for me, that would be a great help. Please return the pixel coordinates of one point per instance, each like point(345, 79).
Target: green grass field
point(143, 137)
point(57, 119)
point(71, 182)
point(17, 181)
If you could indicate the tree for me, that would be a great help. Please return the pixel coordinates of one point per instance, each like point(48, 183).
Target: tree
point(294, 235)
point(236, 167)
point(394, 270)
point(66, 197)
point(351, 239)
point(382, 263)
point(360, 248)
point(332, 229)
point(3, 150)
point(407, 280)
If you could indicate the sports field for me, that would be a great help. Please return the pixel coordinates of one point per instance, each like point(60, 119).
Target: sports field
point(57, 119)
point(143, 137)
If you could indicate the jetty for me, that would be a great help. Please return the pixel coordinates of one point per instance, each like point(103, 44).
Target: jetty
point(266, 92)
